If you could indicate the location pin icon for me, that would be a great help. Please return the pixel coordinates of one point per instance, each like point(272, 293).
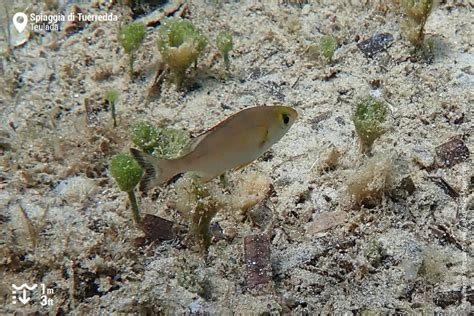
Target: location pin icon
point(20, 26)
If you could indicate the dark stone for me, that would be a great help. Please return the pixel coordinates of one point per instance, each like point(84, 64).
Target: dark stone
point(452, 152)
point(257, 259)
point(339, 120)
point(157, 228)
point(217, 232)
point(261, 215)
point(408, 185)
point(319, 118)
point(374, 45)
point(445, 299)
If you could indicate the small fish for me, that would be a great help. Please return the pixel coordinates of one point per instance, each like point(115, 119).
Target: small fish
point(232, 144)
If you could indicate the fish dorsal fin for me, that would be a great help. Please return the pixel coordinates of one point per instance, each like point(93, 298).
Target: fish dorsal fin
point(218, 125)
point(193, 143)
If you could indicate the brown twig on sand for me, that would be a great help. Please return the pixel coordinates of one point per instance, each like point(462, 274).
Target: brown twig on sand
point(7, 33)
point(73, 284)
point(155, 87)
point(179, 9)
point(184, 10)
point(31, 230)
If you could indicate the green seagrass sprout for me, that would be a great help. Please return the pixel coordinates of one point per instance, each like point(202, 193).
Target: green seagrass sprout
point(180, 44)
point(167, 143)
point(416, 15)
point(204, 211)
point(225, 44)
point(131, 37)
point(127, 173)
point(145, 136)
point(328, 46)
point(111, 97)
point(171, 143)
point(368, 118)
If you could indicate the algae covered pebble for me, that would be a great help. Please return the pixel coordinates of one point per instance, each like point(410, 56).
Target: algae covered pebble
point(233, 143)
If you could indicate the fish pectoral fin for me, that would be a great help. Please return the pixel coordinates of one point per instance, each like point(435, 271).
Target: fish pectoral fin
point(263, 132)
point(242, 166)
point(203, 177)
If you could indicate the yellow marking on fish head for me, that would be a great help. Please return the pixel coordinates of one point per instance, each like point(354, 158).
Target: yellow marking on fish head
point(279, 122)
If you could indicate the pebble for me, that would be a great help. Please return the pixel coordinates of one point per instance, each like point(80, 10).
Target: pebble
point(257, 259)
point(374, 45)
point(157, 228)
point(451, 153)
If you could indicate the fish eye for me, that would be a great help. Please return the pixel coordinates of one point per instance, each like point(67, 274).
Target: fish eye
point(286, 118)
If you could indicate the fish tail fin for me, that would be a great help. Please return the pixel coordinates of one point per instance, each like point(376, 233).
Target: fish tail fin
point(157, 171)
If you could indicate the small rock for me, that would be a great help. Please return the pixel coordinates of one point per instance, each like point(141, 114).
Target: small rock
point(230, 233)
point(326, 220)
point(216, 232)
point(405, 188)
point(74, 25)
point(339, 120)
point(445, 299)
point(261, 216)
point(375, 44)
point(452, 152)
point(408, 185)
point(157, 228)
point(257, 259)
point(315, 121)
